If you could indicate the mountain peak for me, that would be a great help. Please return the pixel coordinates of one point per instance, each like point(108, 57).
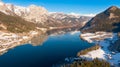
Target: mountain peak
point(105, 21)
point(113, 8)
point(1, 3)
point(33, 6)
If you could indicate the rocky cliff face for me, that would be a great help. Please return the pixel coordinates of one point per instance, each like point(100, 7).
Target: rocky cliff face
point(31, 13)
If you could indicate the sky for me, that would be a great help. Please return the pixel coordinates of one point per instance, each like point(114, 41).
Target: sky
point(69, 6)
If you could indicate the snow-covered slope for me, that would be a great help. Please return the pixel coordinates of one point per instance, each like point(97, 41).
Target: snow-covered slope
point(104, 39)
point(31, 13)
point(68, 19)
point(58, 15)
point(42, 17)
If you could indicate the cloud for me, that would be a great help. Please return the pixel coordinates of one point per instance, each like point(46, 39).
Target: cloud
point(76, 14)
point(91, 15)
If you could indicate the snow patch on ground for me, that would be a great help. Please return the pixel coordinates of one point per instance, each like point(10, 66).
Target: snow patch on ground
point(95, 54)
point(9, 40)
point(103, 39)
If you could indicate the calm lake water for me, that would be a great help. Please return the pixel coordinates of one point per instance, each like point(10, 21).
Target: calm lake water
point(55, 49)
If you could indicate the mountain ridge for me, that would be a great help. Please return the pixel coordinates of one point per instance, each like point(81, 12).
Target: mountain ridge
point(104, 21)
point(40, 16)
point(28, 13)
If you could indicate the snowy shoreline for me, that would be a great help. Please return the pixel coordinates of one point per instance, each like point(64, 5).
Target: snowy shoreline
point(11, 40)
point(104, 39)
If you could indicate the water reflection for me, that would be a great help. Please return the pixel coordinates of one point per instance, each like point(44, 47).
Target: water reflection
point(62, 31)
point(38, 40)
point(54, 49)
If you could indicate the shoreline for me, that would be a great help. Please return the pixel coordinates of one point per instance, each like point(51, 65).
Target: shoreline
point(104, 39)
point(21, 39)
point(10, 40)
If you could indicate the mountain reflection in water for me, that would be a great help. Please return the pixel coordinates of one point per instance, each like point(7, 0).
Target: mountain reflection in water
point(52, 50)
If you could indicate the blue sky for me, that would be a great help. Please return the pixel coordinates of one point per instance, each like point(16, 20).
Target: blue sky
point(68, 6)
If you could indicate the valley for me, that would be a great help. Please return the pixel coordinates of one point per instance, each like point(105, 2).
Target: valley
point(34, 36)
point(21, 25)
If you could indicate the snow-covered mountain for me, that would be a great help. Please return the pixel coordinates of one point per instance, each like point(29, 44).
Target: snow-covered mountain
point(42, 17)
point(69, 19)
point(58, 15)
point(31, 13)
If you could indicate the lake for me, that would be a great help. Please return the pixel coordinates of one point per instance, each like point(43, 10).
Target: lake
point(52, 51)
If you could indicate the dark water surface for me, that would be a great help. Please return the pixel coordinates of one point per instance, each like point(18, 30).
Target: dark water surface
point(56, 48)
